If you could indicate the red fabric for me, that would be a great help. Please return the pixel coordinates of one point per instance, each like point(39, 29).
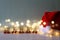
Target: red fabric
point(52, 16)
point(48, 16)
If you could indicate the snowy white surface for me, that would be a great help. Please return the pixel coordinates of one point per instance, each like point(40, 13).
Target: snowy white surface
point(44, 29)
point(26, 37)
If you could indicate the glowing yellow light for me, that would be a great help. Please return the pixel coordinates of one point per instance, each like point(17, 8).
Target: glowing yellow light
point(40, 22)
point(0, 24)
point(28, 21)
point(12, 23)
point(22, 23)
point(7, 20)
point(11, 29)
point(17, 22)
point(5, 26)
point(52, 22)
point(24, 29)
point(44, 23)
point(28, 25)
point(34, 25)
point(31, 30)
point(37, 30)
point(56, 33)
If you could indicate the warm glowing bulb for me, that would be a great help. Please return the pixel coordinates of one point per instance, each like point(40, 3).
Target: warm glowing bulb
point(44, 23)
point(25, 29)
point(12, 23)
point(11, 29)
point(28, 25)
point(57, 33)
point(7, 20)
point(31, 30)
point(5, 26)
point(28, 21)
point(0, 24)
point(52, 22)
point(17, 22)
point(40, 22)
point(33, 25)
point(22, 23)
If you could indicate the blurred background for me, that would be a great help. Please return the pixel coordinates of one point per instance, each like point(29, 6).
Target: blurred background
point(22, 10)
